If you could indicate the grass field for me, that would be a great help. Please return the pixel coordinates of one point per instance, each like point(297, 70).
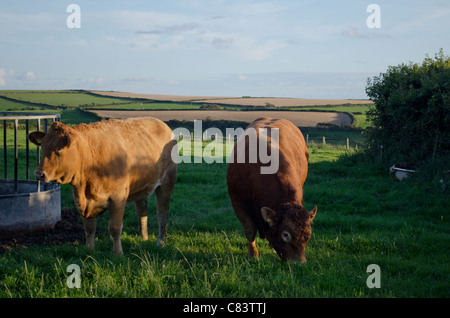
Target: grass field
point(364, 217)
point(357, 111)
point(53, 100)
point(63, 98)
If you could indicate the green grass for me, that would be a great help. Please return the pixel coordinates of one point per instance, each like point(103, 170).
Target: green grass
point(357, 111)
point(63, 98)
point(150, 106)
point(20, 100)
point(334, 136)
point(364, 217)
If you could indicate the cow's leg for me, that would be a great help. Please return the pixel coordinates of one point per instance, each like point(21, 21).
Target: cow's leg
point(163, 193)
point(89, 228)
point(249, 227)
point(116, 212)
point(250, 234)
point(141, 209)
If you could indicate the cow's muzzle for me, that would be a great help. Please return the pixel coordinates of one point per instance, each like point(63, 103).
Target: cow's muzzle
point(40, 175)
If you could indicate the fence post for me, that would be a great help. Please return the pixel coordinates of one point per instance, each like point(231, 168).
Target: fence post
point(38, 156)
point(5, 156)
point(16, 155)
point(307, 138)
point(348, 144)
point(435, 146)
point(324, 140)
point(381, 152)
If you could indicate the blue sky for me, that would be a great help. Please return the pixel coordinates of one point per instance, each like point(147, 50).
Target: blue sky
point(305, 49)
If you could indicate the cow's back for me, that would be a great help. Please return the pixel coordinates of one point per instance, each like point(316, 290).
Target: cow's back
point(135, 152)
point(251, 189)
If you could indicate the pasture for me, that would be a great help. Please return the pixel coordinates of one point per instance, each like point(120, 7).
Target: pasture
point(242, 101)
point(364, 217)
point(113, 104)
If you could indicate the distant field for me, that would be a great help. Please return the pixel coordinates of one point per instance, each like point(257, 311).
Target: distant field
point(358, 112)
point(243, 101)
point(67, 102)
point(303, 119)
point(62, 98)
point(150, 106)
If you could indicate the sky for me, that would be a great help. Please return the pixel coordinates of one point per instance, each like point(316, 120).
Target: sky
point(300, 49)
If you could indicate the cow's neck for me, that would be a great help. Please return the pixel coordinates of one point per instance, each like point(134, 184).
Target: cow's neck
point(80, 181)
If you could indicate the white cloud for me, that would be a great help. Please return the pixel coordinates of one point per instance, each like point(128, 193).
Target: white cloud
point(428, 17)
point(352, 32)
point(99, 81)
point(144, 20)
point(242, 77)
point(4, 73)
point(250, 49)
point(29, 76)
point(257, 9)
point(172, 29)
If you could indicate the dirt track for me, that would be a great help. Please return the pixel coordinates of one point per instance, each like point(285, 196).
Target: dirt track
point(303, 119)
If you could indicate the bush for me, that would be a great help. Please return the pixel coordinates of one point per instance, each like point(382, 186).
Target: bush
point(210, 107)
point(411, 107)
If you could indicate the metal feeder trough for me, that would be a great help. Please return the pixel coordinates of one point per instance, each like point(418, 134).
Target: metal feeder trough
point(25, 204)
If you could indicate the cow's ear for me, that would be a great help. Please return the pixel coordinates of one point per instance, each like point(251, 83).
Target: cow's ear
point(36, 137)
point(269, 215)
point(312, 213)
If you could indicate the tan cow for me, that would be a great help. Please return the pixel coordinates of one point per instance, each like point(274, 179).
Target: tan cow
point(109, 163)
point(272, 203)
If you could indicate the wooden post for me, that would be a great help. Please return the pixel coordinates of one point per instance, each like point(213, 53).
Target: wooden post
point(348, 144)
point(307, 138)
point(435, 145)
point(381, 153)
point(324, 140)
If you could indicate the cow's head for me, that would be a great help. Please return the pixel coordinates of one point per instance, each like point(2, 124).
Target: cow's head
point(59, 153)
point(290, 230)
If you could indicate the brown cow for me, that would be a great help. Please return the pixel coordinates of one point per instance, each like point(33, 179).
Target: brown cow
point(109, 163)
point(272, 204)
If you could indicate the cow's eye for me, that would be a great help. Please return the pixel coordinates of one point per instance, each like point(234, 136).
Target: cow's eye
point(286, 236)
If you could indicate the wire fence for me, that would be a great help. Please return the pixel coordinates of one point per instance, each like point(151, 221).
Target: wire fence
point(337, 141)
point(441, 147)
point(310, 139)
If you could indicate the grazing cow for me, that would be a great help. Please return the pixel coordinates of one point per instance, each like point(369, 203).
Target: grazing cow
point(272, 204)
point(107, 164)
